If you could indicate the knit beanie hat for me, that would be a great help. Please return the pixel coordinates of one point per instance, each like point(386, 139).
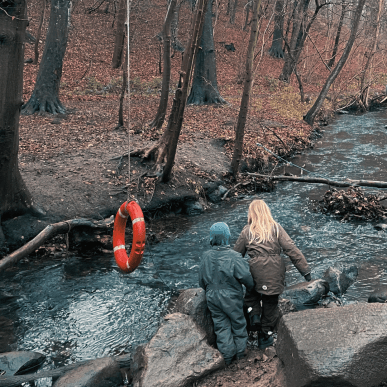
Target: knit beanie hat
point(219, 234)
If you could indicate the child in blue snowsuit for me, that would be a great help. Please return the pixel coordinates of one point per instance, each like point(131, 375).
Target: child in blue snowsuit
point(221, 274)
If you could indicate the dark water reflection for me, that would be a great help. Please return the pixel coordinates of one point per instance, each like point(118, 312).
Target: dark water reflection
point(79, 309)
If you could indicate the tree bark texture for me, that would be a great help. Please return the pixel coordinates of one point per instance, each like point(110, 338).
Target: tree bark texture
point(247, 85)
point(296, 40)
point(161, 111)
point(338, 34)
point(312, 113)
point(175, 122)
point(276, 46)
point(38, 34)
point(120, 35)
point(204, 86)
point(45, 97)
point(14, 196)
point(365, 79)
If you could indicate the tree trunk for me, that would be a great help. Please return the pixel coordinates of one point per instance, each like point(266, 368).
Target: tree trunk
point(45, 97)
point(204, 86)
point(296, 41)
point(120, 35)
point(175, 122)
point(365, 79)
point(160, 115)
point(276, 46)
point(311, 115)
point(247, 85)
point(36, 47)
point(14, 196)
point(234, 5)
point(337, 39)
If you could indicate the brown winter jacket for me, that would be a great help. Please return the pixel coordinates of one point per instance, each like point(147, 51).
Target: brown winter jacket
point(266, 264)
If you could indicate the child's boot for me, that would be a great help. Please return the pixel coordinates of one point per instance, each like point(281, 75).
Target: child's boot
point(265, 340)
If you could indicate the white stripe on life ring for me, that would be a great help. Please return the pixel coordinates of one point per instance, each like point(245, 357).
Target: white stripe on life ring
point(137, 220)
point(127, 264)
point(121, 214)
point(120, 247)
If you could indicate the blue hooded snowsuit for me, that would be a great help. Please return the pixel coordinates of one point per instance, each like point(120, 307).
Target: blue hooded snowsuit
point(221, 274)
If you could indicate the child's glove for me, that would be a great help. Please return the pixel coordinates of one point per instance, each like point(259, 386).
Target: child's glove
point(308, 277)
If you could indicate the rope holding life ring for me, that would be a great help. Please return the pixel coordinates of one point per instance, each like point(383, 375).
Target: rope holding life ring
point(132, 209)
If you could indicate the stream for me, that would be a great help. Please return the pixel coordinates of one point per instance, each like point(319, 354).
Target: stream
point(77, 309)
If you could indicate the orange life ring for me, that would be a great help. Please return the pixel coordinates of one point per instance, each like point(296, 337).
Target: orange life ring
point(132, 209)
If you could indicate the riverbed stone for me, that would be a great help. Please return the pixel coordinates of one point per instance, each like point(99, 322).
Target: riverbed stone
point(20, 362)
point(306, 293)
point(378, 295)
point(334, 347)
point(340, 279)
point(104, 372)
point(193, 303)
point(176, 356)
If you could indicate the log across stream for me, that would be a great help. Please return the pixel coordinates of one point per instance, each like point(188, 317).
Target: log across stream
point(74, 309)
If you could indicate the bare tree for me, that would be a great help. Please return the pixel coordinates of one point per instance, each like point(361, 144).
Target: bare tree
point(120, 35)
point(204, 85)
point(45, 97)
point(36, 47)
point(338, 34)
point(312, 113)
point(276, 46)
point(247, 85)
point(161, 111)
point(14, 196)
point(365, 78)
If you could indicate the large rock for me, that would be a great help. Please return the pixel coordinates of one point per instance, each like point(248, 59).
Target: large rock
point(193, 303)
point(334, 347)
point(340, 280)
point(176, 356)
point(306, 293)
point(20, 362)
point(378, 295)
point(103, 372)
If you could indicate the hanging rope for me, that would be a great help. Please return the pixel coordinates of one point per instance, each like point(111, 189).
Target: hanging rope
point(128, 81)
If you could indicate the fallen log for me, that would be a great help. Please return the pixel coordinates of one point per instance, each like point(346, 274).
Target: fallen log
point(49, 232)
point(15, 381)
point(317, 180)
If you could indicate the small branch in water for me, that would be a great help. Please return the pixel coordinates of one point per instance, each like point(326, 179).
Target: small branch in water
point(316, 180)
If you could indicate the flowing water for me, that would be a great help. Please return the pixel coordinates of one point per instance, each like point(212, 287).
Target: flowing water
point(76, 309)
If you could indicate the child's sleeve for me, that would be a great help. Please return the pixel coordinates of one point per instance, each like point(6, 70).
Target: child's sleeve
point(291, 250)
point(242, 273)
point(240, 245)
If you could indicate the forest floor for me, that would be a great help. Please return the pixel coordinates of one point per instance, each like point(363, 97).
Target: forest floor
point(75, 164)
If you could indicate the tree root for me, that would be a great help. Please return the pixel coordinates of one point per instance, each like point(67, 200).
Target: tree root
point(43, 105)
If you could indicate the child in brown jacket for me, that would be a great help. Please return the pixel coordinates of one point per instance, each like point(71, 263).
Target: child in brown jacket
point(263, 239)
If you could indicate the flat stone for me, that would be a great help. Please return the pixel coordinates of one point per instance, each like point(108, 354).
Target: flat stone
point(334, 347)
point(193, 303)
point(378, 295)
point(306, 293)
point(176, 356)
point(103, 372)
point(20, 362)
point(340, 279)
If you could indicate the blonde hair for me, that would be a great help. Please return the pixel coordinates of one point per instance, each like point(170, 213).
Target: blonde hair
point(262, 224)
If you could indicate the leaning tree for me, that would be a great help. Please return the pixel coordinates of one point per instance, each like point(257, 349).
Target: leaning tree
point(14, 196)
point(204, 89)
point(313, 111)
point(45, 97)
